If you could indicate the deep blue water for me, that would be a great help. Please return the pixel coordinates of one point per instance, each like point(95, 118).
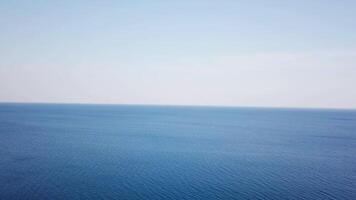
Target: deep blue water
point(160, 152)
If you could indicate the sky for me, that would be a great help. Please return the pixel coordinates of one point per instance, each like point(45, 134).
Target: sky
point(188, 52)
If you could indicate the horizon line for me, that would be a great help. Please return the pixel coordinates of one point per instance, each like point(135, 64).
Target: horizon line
point(180, 105)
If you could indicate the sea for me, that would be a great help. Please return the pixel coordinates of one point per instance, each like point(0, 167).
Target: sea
point(136, 152)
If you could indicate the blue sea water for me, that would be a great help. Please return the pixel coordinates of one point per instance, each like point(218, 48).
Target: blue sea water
point(50, 151)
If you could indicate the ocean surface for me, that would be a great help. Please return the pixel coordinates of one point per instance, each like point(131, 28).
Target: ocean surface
point(53, 151)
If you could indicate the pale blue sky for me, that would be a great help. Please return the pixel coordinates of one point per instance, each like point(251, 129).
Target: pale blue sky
point(232, 53)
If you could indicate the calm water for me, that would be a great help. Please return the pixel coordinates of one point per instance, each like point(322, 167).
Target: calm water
point(157, 152)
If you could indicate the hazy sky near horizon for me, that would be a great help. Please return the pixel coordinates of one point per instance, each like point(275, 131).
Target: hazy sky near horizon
point(190, 52)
